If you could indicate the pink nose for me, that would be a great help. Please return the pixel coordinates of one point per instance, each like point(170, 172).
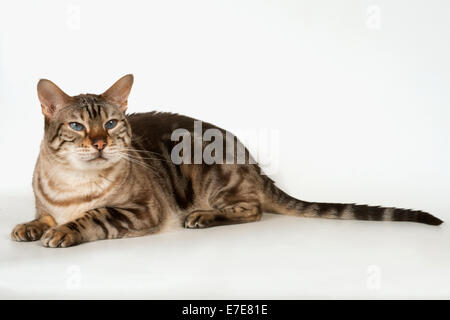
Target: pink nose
point(99, 144)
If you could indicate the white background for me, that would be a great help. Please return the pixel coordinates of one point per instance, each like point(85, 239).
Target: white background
point(357, 91)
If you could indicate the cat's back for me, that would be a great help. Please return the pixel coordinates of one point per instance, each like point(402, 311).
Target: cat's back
point(160, 123)
point(153, 129)
point(157, 124)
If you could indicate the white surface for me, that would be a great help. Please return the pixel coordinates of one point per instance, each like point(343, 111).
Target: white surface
point(361, 113)
point(278, 257)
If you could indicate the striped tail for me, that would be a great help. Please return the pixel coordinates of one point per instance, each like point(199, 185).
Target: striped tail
point(277, 201)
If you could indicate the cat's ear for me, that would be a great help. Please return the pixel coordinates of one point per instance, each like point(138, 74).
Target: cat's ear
point(51, 97)
point(119, 91)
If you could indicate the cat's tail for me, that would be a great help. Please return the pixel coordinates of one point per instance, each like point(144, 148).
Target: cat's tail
point(277, 201)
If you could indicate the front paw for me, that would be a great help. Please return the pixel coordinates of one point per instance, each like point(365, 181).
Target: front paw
point(27, 232)
point(60, 237)
point(199, 219)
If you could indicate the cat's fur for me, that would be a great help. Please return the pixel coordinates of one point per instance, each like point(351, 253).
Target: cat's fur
point(134, 188)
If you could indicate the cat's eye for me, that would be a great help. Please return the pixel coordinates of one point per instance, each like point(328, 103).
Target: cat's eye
point(76, 126)
point(111, 124)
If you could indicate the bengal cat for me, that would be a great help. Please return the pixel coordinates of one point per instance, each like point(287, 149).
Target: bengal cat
point(102, 174)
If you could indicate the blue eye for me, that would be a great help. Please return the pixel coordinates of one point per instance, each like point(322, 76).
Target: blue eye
point(110, 124)
point(76, 126)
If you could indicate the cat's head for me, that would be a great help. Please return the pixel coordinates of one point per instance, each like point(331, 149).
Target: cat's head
point(87, 131)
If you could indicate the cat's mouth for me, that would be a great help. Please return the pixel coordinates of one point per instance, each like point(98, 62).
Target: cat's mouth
point(99, 157)
point(96, 157)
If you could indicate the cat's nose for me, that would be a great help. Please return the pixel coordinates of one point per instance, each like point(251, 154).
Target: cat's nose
point(99, 144)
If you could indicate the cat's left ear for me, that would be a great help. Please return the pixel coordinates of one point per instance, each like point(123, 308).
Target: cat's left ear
point(119, 91)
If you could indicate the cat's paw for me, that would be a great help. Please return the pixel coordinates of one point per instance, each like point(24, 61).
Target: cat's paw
point(60, 237)
point(27, 232)
point(199, 219)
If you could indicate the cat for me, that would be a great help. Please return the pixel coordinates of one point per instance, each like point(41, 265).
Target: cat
point(102, 174)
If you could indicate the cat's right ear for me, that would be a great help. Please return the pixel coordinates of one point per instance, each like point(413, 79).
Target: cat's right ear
point(52, 98)
point(119, 91)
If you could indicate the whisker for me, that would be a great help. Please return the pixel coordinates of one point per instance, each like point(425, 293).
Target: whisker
point(126, 157)
point(142, 151)
point(158, 157)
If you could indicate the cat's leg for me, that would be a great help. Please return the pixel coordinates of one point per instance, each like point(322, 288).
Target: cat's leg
point(102, 223)
point(240, 212)
point(235, 201)
point(33, 230)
